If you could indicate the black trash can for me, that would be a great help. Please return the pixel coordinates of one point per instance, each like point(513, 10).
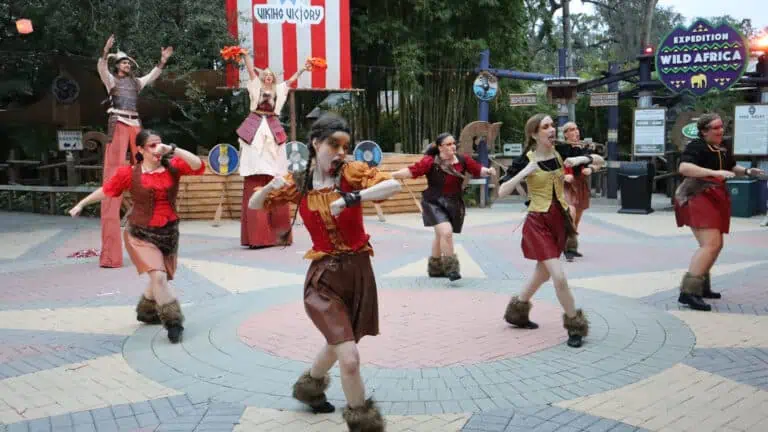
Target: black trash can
point(636, 186)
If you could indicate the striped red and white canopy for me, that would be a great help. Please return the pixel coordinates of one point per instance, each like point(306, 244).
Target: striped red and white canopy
point(282, 34)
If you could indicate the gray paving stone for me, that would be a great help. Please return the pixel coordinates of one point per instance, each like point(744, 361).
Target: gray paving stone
point(61, 421)
point(101, 414)
point(85, 428)
point(147, 419)
point(18, 427)
point(82, 417)
point(107, 425)
point(120, 411)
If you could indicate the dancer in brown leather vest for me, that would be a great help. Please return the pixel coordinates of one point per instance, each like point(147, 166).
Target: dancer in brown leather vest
point(340, 293)
point(152, 236)
point(702, 203)
point(547, 224)
point(442, 202)
point(123, 125)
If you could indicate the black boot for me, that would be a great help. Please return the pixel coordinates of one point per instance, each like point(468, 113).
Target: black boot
point(435, 267)
point(451, 267)
point(691, 290)
point(366, 418)
point(146, 311)
point(172, 319)
point(577, 327)
point(311, 391)
point(517, 314)
point(707, 292)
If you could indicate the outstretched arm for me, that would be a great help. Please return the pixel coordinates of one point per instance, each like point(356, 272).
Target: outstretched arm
point(291, 80)
point(154, 74)
point(253, 71)
point(94, 197)
point(402, 173)
point(377, 192)
point(101, 64)
point(507, 187)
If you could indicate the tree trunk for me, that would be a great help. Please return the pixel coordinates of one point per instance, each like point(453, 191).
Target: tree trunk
point(650, 8)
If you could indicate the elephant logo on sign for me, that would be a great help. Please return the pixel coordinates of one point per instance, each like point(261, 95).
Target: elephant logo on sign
point(699, 81)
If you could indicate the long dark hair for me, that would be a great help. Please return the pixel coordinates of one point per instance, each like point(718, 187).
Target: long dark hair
point(327, 125)
point(434, 149)
point(141, 139)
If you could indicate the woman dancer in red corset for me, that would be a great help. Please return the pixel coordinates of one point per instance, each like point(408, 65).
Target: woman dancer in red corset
point(152, 236)
point(340, 290)
point(702, 202)
point(442, 201)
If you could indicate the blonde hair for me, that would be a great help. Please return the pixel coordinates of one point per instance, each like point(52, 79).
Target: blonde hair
point(569, 125)
point(265, 72)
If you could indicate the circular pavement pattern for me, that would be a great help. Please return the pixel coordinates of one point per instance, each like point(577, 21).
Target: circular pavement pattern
point(628, 341)
point(427, 328)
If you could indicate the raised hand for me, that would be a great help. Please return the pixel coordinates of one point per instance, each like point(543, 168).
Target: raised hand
point(109, 44)
point(165, 54)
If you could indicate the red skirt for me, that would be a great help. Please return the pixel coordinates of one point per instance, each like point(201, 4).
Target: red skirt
point(544, 234)
point(577, 193)
point(263, 227)
point(708, 209)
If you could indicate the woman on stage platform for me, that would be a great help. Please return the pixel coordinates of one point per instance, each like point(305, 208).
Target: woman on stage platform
point(340, 294)
point(152, 235)
point(547, 224)
point(262, 156)
point(442, 202)
point(702, 202)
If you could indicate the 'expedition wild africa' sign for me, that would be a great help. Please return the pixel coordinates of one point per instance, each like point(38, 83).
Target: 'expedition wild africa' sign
point(701, 58)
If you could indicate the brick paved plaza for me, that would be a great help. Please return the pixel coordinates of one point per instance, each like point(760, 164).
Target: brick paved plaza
point(73, 357)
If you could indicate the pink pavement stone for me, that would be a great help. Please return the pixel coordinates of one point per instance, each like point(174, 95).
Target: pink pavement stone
point(9, 353)
point(424, 328)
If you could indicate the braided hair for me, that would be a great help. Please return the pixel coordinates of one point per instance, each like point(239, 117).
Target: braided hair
point(434, 149)
point(327, 125)
point(141, 140)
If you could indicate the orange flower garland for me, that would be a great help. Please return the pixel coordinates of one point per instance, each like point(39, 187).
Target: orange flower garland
point(233, 53)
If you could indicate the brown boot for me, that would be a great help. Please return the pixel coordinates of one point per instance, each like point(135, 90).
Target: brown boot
point(146, 311)
point(451, 267)
point(311, 391)
point(172, 318)
point(435, 267)
point(691, 291)
point(366, 418)
point(517, 314)
point(577, 327)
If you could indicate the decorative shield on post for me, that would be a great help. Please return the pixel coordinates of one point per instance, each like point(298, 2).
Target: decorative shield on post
point(224, 159)
point(368, 152)
point(298, 156)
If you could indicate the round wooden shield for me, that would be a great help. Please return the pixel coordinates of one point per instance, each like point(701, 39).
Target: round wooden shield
point(224, 159)
point(368, 152)
point(298, 156)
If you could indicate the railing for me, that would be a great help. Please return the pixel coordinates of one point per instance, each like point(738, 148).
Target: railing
point(50, 190)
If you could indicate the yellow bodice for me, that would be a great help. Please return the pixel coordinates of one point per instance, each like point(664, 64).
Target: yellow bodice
point(540, 185)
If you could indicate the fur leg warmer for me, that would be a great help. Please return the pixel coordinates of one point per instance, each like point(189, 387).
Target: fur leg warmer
point(572, 243)
point(451, 267)
point(517, 312)
point(693, 285)
point(170, 314)
point(311, 391)
point(146, 311)
point(366, 418)
point(578, 325)
point(435, 267)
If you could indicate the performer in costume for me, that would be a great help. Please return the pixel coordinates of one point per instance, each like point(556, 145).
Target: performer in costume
point(442, 202)
point(547, 224)
point(702, 202)
point(340, 290)
point(123, 125)
point(152, 236)
point(577, 190)
point(262, 156)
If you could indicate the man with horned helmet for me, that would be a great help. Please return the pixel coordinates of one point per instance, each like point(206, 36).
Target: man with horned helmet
point(123, 125)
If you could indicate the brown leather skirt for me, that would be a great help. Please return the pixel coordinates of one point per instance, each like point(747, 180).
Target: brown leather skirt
point(577, 193)
point(340, 297)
